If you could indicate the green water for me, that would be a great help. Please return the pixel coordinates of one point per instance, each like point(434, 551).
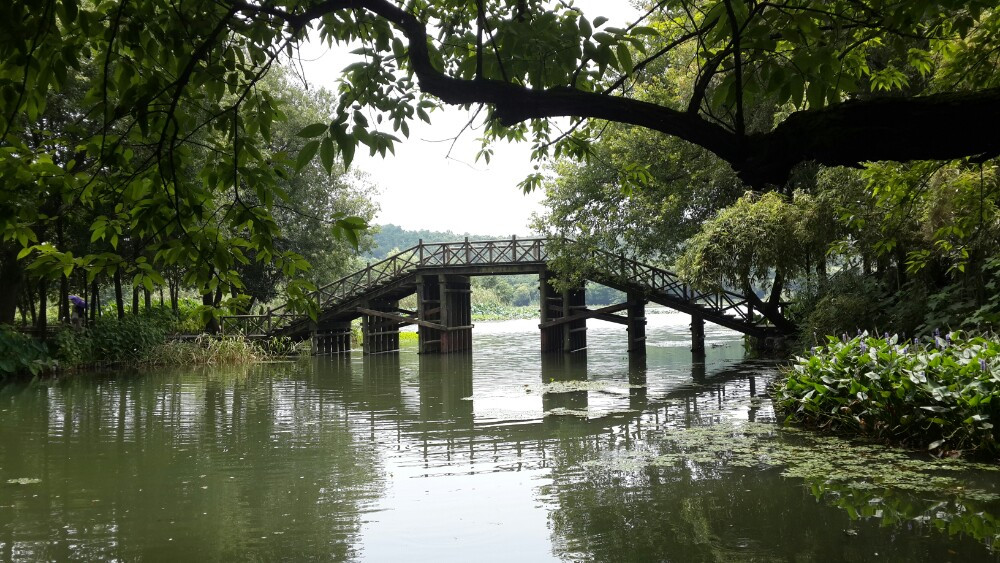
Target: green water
point(498, 456)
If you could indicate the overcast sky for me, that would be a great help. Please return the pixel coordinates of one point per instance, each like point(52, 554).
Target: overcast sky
point(423, 187)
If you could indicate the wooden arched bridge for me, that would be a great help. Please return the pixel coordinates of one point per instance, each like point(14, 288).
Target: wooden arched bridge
point(439, 273)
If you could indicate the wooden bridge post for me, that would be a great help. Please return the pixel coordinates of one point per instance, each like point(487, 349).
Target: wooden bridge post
point(331, 338)
point(456, 313)
point(445, 300)
point(567, 337)
point(636, 324)
point(380, 335)
point(697, 336)
point(428, 309)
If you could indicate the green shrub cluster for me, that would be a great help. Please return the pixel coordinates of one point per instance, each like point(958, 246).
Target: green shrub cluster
point(939, 393)
point(20, 353)
point(111, 340)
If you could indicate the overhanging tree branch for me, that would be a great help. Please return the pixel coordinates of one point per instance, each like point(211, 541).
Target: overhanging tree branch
point(937, 126)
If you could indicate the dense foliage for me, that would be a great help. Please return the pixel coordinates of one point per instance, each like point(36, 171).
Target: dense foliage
point(21, 354)
point(937, 393)
point(149, 124)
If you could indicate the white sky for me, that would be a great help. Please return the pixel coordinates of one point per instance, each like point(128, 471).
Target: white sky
point(422, 187)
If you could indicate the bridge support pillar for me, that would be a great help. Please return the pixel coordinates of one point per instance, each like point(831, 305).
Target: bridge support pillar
point(447, 301)
point(380, 335)
point(697, 336)
point(636, 325)
point(332, 338)
point(567, 337)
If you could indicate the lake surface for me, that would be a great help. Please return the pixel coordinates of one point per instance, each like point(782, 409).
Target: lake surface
point(495, 456)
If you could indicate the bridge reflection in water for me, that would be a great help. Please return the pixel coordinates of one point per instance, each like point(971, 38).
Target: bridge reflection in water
point(456, 408)
point(438, 274)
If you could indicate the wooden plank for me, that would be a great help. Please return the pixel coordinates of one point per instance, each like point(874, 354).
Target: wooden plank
point(603, 313)
point(411, 320)
point(399, 318)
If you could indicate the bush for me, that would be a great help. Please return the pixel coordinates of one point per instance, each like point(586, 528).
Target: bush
point(848, 302)
point(20, 354)
point(939, 393)
point(132, 338)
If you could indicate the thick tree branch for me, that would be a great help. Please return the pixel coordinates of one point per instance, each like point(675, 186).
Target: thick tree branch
point(935, 127)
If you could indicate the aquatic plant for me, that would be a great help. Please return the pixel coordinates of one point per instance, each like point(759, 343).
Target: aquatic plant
point(938, 393)
point(207, 350)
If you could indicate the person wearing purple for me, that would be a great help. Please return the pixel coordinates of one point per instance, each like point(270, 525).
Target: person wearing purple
point(79, 312)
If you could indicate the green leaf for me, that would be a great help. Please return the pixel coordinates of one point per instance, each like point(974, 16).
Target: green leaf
point(625, 58)
point(306, 154)
point(314, 130)
point(326, 154)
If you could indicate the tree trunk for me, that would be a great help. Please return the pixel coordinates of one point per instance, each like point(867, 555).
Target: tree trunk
point(95, 300)
point(175, 290)
point(11, 274)
point(63, 280)
point(821, 272)
point(43, 304)
point(29, 299)
point(900, 266)
point(135, 300)
point(119, 298)
point(22, 306)
point(770, 309)
point(148, 299)
point(208, 300)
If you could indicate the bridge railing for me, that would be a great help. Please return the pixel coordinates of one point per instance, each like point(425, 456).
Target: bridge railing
point(633, 272)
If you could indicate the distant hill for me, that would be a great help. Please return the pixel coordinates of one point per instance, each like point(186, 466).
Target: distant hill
point(391, 237)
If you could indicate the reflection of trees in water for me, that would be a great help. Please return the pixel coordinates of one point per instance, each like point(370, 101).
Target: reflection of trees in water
point(204, 466)
point(705, 509)
point(892, 508)
point(660, 514)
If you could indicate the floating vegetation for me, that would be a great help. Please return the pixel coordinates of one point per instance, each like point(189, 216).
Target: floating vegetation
point(559, 411)
point(587, 413)
point(23, 481)
point(800, 454)
point(572, 386)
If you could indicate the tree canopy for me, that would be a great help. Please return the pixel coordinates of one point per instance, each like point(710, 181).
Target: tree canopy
point(172, 132)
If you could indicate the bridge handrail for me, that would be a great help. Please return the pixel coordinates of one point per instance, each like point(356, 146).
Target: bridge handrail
point(500, 252)
point(657, 279)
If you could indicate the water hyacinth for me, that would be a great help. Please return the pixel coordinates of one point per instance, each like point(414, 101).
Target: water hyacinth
point(939, 396)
